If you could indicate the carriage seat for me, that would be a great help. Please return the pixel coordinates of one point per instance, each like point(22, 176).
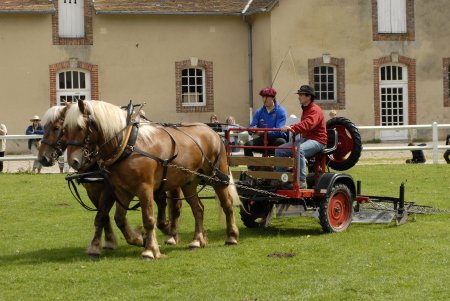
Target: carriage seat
point(332, 141)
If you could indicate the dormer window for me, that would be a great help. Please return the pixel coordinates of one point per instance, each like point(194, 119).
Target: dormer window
point(71, 18)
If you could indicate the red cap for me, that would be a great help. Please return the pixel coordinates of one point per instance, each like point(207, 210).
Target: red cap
point(268, 91)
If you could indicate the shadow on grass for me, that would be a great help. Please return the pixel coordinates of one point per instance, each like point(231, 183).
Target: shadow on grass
point(292, 227)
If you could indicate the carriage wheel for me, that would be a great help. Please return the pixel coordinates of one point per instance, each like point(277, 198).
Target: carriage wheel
point(349, 146)
point(335, 212)
point(254, 214)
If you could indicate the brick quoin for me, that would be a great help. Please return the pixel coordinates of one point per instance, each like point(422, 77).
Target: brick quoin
point(445, 70)
point(411, 66)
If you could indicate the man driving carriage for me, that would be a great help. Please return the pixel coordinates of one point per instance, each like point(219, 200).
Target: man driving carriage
point(312, 130)
point(270, 115)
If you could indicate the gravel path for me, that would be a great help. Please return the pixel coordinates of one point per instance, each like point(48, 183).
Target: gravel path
point(367, 157)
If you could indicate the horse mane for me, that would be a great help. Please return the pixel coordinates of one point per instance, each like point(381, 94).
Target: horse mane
point(52, 114)
point(109, 118)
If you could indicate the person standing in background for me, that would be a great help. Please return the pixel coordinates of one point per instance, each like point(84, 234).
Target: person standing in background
point(447, 152)
point(3, 132)
point(33, 144)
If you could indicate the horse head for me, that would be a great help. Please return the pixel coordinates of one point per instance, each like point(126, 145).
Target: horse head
point(53, 143)
point(90, 128)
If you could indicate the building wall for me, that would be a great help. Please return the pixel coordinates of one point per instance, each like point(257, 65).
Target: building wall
point(136, 58)
point(136, 54)
point(343, 29)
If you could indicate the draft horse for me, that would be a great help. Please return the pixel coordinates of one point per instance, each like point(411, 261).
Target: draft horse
point(53, 145)
point(155, 159)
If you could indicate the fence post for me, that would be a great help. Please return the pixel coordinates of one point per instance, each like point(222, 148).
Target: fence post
point(435, 143)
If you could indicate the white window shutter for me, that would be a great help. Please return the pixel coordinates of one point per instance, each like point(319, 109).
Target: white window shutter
point(71, 18)
point(398, 16)
point(384, 16)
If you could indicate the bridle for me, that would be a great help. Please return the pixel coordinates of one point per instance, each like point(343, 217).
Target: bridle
point(87, 154)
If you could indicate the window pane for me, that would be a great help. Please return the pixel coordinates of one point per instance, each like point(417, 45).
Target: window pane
point(68, 80)
point(82, 80)
point(184, 72)
point(75, 80)
point(61, 81)
point(191, 72)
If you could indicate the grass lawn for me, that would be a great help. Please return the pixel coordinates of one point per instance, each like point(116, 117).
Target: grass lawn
point(44, 233)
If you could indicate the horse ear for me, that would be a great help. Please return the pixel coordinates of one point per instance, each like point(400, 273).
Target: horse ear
point(81, 106)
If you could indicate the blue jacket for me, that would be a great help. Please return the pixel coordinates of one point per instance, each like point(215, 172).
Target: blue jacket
point(39, 131)
point(275, 119)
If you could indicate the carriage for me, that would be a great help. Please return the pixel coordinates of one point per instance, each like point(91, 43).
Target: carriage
point(333, 197)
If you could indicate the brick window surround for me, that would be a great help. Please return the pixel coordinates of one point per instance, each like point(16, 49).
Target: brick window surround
point(340, 81)
point(54, 69)
point(411, 65)
point(445, 69)
point(410, 30)
point(88, 31)
point(209, 93)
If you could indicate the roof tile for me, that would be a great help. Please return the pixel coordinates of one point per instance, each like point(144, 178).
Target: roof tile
point(231, 7)
point(29, 6)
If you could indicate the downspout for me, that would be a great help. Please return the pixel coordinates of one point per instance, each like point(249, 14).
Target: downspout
point(250, 66)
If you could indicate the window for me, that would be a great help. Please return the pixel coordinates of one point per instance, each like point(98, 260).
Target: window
point(71, 18)
point(327, 76)
point(325, 83)
point(72, 22)
point(72, 85)
point(393, 95)
point(193, 87)
point(391, 16)
point(71, 80)
point(393, 20)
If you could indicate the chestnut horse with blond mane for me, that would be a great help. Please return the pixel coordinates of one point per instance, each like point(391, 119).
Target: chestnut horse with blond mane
point(146, 159)
point(53, 145)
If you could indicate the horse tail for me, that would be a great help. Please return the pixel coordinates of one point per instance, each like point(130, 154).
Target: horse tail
point(233, 191)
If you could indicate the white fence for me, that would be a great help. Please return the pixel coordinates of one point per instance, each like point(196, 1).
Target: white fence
point(435, 146)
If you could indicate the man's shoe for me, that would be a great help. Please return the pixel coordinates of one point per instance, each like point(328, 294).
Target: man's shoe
point(302, 184)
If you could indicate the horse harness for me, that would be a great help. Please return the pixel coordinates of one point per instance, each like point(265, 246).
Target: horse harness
point(127, 146)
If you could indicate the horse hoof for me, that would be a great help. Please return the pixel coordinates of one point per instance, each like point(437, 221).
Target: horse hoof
point(93, 255)
point(231, 242)
point(147, 255)
point(170, 241)
point(194, 245)
point(109, 246)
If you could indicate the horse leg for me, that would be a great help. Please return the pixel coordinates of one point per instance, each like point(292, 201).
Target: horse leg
point(102, 201)
point(133, 237)
point(151, 247)
point(226, 195)
point(161, 202)
point(190, 192)
point(110, 237)
point(175, 204)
